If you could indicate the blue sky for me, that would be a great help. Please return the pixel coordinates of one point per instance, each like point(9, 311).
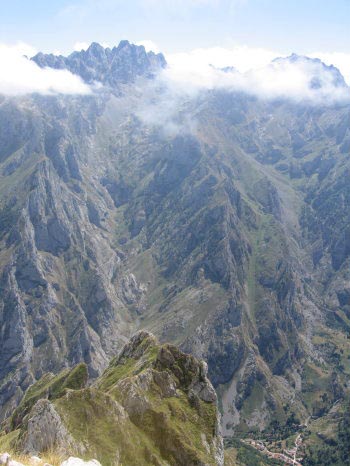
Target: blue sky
point(179, 25)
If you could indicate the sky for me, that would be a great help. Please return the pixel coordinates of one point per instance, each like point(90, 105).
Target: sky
point(302, 26)
point(192, 34)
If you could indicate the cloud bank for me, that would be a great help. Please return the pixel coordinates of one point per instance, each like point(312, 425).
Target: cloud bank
point(338, 59)
point(19, 75)
point(242, 58)
point(257, 71)
point(240, 68)
point(172, 100)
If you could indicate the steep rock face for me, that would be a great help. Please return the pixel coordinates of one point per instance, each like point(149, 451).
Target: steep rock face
point(226, 238)
point(45, 430)
point(37, 287)
point(153, 405)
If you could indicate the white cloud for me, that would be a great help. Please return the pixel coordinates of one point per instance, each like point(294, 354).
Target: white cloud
point(19, 75)
point(190, 72)
point(149, 45)
point(78, 46)
point(253, 73)
point(243, 58)
point(338, 59)
point(166, 102)
point(299, 81)
point(22, 48)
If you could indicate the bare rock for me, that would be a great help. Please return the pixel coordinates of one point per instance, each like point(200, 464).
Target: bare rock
point(45, 430)
point(72, 461)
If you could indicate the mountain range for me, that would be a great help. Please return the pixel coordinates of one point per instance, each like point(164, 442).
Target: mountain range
point(226, 233)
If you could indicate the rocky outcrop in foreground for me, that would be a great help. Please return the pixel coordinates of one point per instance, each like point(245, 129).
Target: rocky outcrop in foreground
point(154, 405)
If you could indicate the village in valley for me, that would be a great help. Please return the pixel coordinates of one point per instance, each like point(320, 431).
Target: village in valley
point(289, 456)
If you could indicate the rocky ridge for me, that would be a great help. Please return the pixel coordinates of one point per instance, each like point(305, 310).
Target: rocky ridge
point(153, 405)
point(110, 67)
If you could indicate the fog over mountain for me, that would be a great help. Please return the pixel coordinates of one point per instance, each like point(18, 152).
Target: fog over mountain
point(205, 204)
point(290, 77)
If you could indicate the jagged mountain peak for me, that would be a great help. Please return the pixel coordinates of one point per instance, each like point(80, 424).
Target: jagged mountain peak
point(109, 66)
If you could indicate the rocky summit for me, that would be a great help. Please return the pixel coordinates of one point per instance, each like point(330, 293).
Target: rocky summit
point(110, 67)
point(218, 220)
point(154, 405)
